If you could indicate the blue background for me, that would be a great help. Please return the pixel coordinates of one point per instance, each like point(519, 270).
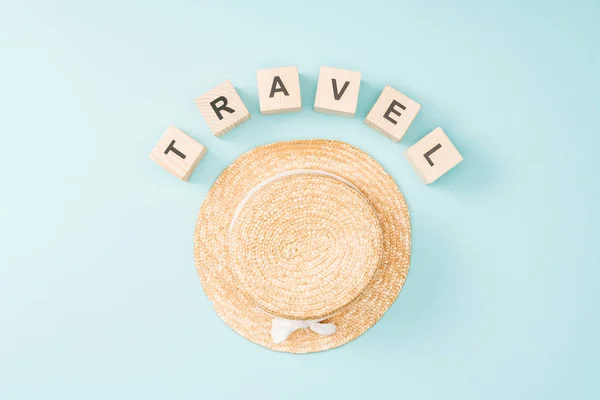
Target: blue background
point(99, 296)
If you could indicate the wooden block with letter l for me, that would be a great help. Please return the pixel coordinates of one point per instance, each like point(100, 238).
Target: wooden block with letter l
point(433, 156)
point(177, 153)
point(222, 108)
point(279, 90)
point(337, 91)
point(392, 114)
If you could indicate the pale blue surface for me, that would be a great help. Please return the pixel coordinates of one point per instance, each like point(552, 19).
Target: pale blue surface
point(99, 298)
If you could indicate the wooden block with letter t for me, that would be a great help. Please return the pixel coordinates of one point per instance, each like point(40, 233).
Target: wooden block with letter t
point(222, 108)
point(392, 114)
point(279, 90)
point(433, 156)
point(337, 91)
point(177, 153)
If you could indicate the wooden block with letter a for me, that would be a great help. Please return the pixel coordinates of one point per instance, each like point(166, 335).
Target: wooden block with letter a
point(337, 91)
point(177, 153)
point(222, 108)
point(433, 156)
point(279, 90)
point(392, 114)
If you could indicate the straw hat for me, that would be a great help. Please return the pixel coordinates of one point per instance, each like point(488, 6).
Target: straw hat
point(302, 246)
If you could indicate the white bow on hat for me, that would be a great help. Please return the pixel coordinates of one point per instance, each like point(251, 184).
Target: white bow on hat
point(281, 328)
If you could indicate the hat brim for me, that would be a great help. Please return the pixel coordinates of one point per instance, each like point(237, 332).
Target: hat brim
point(258, 164)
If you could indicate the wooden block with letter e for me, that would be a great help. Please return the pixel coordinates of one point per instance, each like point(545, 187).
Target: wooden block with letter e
point(222, 108)
point(337, 91)
point(279, 90)
point(177, 153)
point(392, 114)
point(433, 156)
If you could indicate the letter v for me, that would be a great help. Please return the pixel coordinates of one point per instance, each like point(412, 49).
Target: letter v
point(339, 95)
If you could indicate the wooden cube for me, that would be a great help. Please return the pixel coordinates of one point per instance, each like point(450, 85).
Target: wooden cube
point(392, 114)
point(279, 90)
point(433, 156)
point(177, 153)
point(337, 91)
point(222, 108)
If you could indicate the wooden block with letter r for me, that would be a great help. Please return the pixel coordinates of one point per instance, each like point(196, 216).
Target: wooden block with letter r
point(279, 90)
point(392, 114)
point(433, 156)
point(222, 108)
point(177, 153)
point(337, 91)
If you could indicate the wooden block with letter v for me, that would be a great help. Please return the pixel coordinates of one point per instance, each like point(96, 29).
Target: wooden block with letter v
point(337, 91)
point(222, 108)
point(433, 156)
point(279, 90)
point(177, 153)
point(392, 114)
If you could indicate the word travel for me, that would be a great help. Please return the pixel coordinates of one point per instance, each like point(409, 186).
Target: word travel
point(337, 94)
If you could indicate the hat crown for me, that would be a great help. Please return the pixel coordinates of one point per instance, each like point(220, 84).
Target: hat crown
point(304, 244)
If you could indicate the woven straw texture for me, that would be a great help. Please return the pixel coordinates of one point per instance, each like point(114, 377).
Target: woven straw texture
point(305, 246)
point(346, 246)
